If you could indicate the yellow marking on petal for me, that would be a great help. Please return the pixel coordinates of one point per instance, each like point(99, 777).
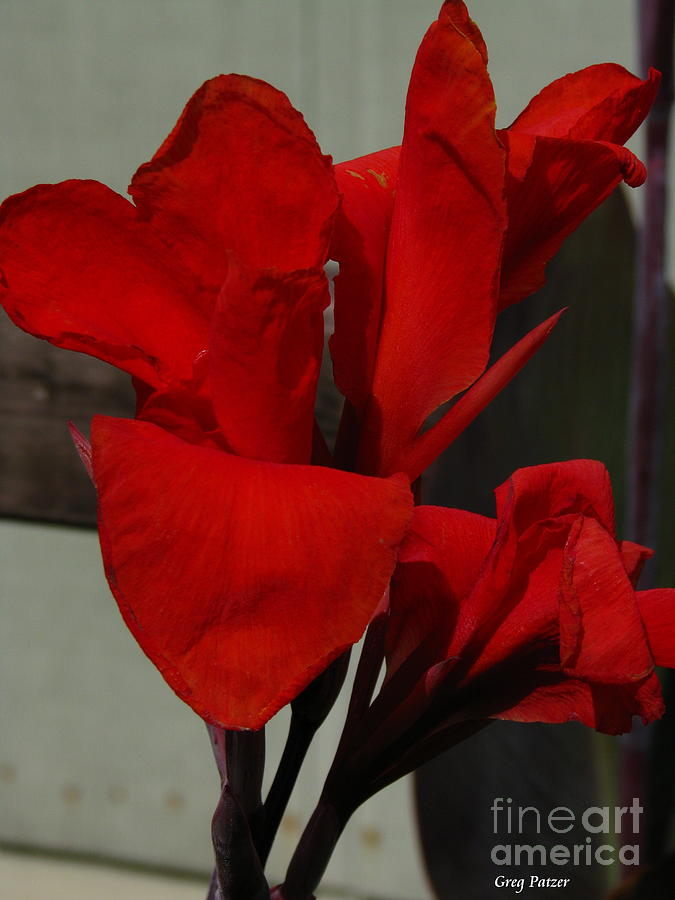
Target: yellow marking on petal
point(642, 675)
point(355, 174)
point(380, 177)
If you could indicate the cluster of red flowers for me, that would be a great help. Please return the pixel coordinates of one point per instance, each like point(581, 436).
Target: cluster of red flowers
point(244, 555)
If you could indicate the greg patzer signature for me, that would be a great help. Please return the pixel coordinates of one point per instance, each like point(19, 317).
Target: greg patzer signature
point(517, 885)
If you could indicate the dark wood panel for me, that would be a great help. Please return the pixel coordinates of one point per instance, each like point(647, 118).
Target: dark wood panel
point(41, 389)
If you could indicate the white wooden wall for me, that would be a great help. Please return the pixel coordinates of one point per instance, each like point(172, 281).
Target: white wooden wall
point(96, 754)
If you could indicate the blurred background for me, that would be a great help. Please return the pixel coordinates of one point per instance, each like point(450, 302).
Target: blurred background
point(107, 784)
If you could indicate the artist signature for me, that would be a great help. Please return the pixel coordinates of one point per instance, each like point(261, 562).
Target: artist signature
point(517, 885)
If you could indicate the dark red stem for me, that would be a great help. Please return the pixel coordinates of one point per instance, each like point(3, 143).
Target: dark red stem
point(308, 712)
point(240, 758)
point(313, 852)
point(239, 873)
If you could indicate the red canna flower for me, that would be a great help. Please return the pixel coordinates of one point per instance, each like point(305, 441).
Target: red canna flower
point(241, 569)
point(434, 237)
point(244, 556)
point(532, 616)
point(243, 563)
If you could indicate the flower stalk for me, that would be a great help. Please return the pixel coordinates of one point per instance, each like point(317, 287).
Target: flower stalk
point(308, 712)
point(237, 820)
point(313, 852)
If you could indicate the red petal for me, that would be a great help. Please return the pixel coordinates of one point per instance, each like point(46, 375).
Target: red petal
point(359, 244)
point(185, 409)
point(513, 613)
point(602, 638)
point(514, 604)
point(80, 271)
point(455, 13)
point(368, 186)
point(241, 580)
point(634, 556)
point(439, 563)
point(538, 493)
point(432, 442)
point(603, 102)
point(607, 708)
point(241, 171)
point(657, 608)
point(265, 355)
point(555, 183)
point(445, 244)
